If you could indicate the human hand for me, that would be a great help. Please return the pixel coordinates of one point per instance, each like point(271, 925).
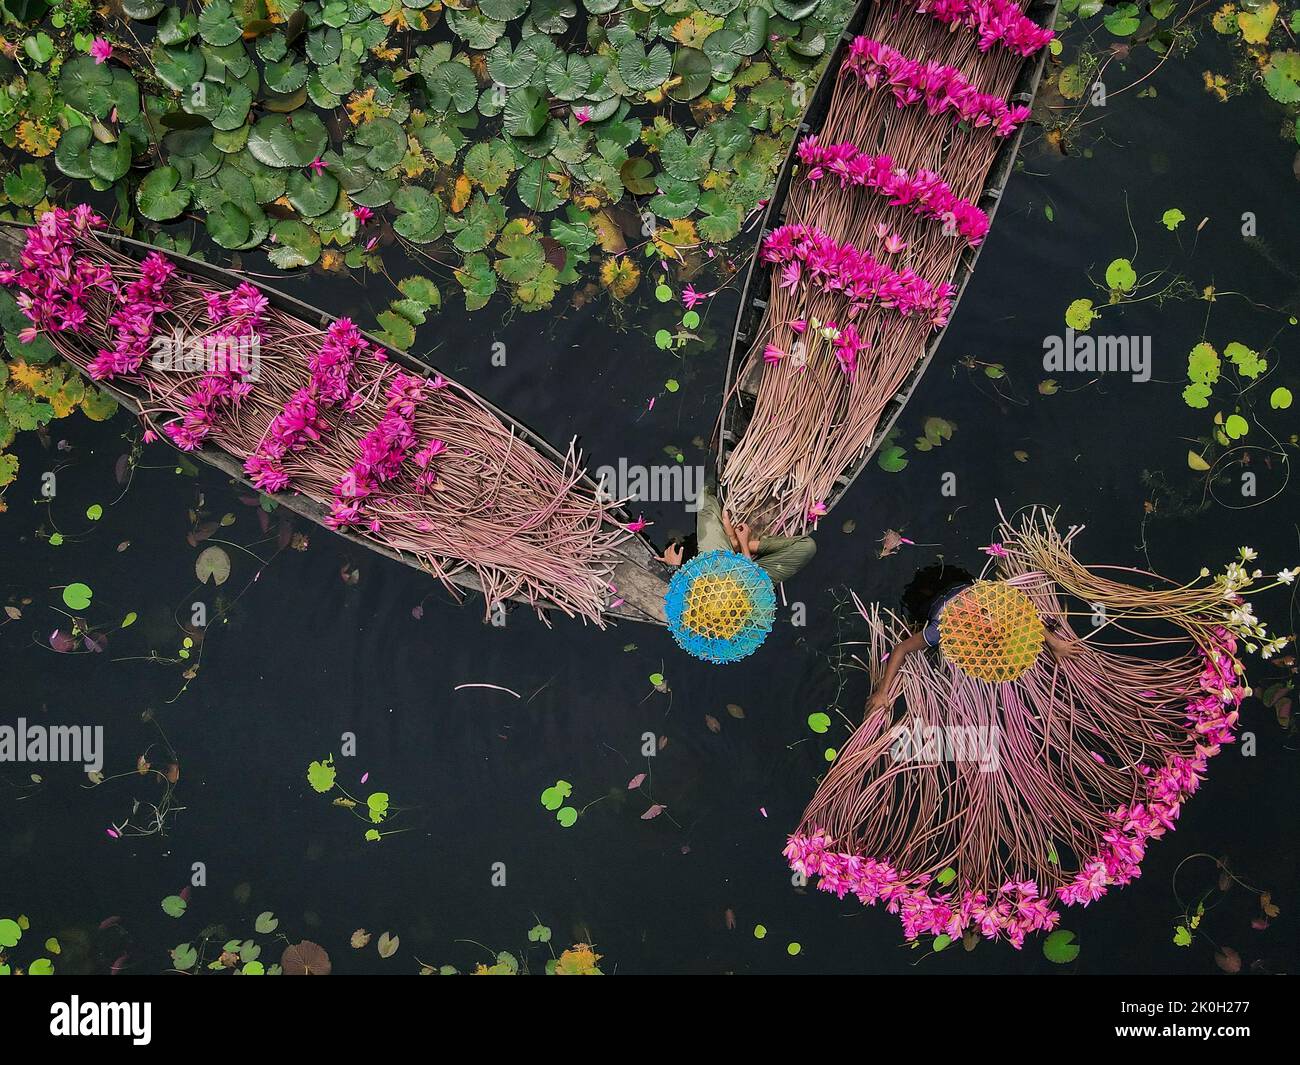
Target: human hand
point(672, 555)
point(878, 702)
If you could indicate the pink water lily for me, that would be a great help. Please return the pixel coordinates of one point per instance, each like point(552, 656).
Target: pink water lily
point(637, 526)
point(996, 551)
point(817, 510)
point(100, 50)
point(690, 297)
point(317, 165)
point(362, 214)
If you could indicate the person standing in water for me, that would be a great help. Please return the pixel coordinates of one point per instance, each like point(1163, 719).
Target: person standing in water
point(924, 600)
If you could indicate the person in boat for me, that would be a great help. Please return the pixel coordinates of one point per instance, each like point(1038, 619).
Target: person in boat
point(780, 557)
point(924, 599)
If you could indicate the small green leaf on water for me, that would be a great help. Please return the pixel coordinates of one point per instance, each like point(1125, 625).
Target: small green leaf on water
point(946, 876)
point(663, 293)
point(1079, 315)
point(656, 679)
point(1047, 210)
point(174, 906)
point(830, 754)
point(372, 835)
point(539, 934)
point(320, 775)
point(819, 722)
point(10, 932)
point(1120, 275)
point(672, 384)
point(691, 319)
point(760, 931)
point(1236, 426)
point(663, 339)
point(1173, 218)
point(1182, 937)
point(52, 945)
point(94, 512)
point(266, 923)
point(41, 967)
point(56, 539)
point(567, 816)
point(130, 619)
point(942, 943)
point(77, 596)
point(793, 949)
point(1060, 947)
point(995, 370)
point(1280, 399)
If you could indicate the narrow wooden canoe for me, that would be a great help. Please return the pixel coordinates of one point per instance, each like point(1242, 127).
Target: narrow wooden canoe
point(738, 396)
point(641, 581)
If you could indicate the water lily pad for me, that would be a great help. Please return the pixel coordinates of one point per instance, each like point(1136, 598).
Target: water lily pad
point(695, 71)
point(296, 244)
point(1282, 77)
point(489, 164)
point(217, 23)
point(386, 140)
point(162, 195)
point(310, 193)
point(569, 77)
point(511, 67)
point(77, 596)
point(213, 564)
point(288, 140)
point(525, 113)
point(676, 198)
point(643, 70)
point(72, 155)
point(422, 216)
point(1060, 947)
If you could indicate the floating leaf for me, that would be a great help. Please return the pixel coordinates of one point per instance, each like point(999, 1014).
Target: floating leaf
point(212, 564)
point(1060, 947)
point(77, 596)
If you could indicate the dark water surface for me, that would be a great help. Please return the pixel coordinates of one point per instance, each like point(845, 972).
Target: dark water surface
point(306, 657)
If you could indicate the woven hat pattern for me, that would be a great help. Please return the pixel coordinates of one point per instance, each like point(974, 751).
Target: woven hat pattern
point(720, 606)
point(991, 631)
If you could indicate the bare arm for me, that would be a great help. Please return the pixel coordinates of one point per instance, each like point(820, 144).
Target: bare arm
point(880, 699)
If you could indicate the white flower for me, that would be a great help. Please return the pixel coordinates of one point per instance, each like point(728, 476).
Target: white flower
point(1286, 576)
point(1205, 571)
point(1248, 554)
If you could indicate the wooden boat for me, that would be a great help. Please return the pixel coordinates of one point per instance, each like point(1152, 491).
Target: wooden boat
point(738, 396)
point(641, 581)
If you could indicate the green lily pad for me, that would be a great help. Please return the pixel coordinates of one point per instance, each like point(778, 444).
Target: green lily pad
point(77, 596)
point(695, 69)
point(643, 70)
point(296, 244)
point(162, 195)
point(422, 214)
point(310, 193)
point(72, 154)
point(386, 140)
point(525, 113)
point(217, 23)
point(288, 140)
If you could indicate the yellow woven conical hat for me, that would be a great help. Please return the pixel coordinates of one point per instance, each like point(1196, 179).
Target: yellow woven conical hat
point(991, 631)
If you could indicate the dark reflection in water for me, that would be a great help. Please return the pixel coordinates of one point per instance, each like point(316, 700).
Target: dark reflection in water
point(306, 658)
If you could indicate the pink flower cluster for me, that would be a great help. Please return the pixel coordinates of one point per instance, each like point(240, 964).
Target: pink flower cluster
point(383, 450)
point(941, 87)
point(996, 21)
point(302, 421)
point(926, 193)
point(238, 317)
point(813, 255)
point(53, 283)
point(1019, 907)
point(133, 322)
point(846, 342)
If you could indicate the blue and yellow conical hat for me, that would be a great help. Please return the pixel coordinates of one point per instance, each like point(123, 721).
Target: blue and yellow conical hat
point(720, 606)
